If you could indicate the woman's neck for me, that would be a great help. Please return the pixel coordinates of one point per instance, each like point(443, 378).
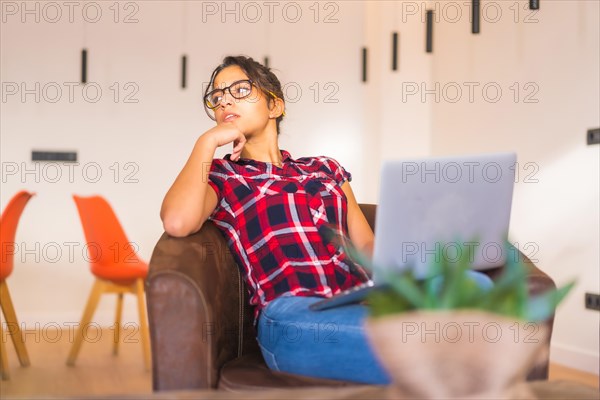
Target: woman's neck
point(264, 149)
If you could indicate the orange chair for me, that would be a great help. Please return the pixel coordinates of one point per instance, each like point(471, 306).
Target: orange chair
point(8, 229)
point(117, 268)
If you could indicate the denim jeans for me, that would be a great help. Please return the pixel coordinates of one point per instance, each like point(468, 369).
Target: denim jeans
point(325, 344)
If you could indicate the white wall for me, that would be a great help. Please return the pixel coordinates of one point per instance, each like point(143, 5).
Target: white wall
point(557, 56)
point(554, 61)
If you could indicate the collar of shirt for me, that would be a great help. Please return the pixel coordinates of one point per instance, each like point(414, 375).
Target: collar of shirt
point(285, 157)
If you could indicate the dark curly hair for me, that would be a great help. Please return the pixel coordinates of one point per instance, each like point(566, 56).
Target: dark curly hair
point(260, 75)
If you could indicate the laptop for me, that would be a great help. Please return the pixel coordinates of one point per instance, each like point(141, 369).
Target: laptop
point(438, 204)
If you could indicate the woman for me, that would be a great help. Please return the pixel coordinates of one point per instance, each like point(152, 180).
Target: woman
point(270, 207)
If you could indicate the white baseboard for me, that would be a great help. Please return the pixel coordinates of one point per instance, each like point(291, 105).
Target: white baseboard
point(575, 358)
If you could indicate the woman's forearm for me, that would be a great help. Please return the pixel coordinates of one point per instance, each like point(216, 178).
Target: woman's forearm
point(184, 207)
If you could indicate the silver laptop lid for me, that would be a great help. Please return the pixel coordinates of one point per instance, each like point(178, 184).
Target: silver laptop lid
point(435, 204)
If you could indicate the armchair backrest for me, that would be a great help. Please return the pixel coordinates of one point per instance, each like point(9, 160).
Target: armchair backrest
point(369, 210)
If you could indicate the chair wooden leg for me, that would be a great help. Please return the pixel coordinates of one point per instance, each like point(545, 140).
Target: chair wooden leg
point(12, 325)
point(144, 332)
point(119, 313)
point(4, 358)
point(88, 313)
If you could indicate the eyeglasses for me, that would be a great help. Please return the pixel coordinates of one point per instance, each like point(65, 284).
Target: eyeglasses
point(238, 90)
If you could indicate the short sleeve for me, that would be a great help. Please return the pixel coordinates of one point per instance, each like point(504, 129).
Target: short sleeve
point(339, 173)
point(216, 177)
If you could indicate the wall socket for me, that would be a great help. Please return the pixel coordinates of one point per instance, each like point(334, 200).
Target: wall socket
point(592, 301)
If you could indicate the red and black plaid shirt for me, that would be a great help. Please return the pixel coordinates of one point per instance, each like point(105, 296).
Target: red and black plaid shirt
point(271, 217)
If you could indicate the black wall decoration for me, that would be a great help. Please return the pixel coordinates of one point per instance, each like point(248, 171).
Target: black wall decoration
point(266, 61)
point(183, 71)
point(475, 11)
point(429, 36)
point(534, 4)
point(395, 51)
point(364, 64)
point(84, 66)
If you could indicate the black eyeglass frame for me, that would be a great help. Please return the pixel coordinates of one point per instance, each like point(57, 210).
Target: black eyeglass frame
point(206, 102)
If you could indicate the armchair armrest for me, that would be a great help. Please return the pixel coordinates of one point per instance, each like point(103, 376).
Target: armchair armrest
point(538, 282)
point(195, 309)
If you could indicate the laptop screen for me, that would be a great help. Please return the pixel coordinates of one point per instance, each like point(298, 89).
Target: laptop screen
point(438, 206)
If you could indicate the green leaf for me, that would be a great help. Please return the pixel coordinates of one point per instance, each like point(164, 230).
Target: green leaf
point(386, 303)
point(406, 286)
point(542, 307)
point(505, 289)
point(455, 277)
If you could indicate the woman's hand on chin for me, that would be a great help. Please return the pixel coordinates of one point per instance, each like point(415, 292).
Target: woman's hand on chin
point(222, 135)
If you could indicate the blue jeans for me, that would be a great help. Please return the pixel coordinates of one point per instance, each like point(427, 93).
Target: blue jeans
point(324, 344)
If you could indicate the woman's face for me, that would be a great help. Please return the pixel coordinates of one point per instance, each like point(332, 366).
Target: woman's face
point(251, 114)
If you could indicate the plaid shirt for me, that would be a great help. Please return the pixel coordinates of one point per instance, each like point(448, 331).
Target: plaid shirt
point(271, 218)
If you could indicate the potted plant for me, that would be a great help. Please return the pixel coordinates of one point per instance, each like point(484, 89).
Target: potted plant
point(447, 337)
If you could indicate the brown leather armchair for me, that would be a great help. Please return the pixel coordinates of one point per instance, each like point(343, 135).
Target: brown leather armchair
point(201, 324)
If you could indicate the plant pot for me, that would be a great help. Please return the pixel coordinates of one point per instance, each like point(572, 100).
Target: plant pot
point(456, 354)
